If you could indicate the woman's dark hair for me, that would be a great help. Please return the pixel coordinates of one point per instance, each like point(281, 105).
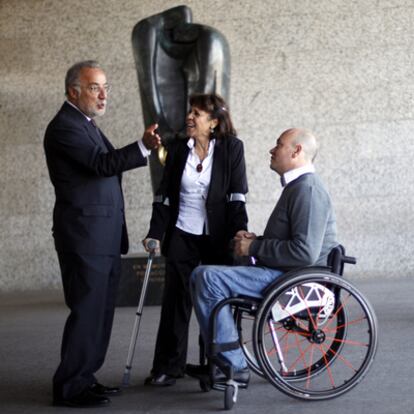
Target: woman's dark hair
point(217, 108)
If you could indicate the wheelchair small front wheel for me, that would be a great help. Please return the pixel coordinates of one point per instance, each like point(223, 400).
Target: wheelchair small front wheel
point(230, 397)
point(323, 336)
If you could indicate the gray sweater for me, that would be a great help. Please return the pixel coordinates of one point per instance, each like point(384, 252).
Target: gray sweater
point(301, 230)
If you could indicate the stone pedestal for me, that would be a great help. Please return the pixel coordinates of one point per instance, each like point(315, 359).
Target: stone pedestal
point(132, 278)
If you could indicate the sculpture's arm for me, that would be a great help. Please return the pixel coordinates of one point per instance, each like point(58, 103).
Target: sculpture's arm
point(145, 43)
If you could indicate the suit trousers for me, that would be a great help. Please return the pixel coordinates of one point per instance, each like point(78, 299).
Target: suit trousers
point(186, 251)
point(89, 283)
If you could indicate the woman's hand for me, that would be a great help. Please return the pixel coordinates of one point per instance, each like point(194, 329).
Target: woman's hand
point(149, 245)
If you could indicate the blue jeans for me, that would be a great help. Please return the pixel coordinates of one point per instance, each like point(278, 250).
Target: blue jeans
point(211, 284)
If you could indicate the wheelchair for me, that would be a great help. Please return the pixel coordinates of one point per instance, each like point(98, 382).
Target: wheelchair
point(313, 335)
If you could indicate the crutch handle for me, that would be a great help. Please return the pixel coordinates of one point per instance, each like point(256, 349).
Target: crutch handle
point(152, 245)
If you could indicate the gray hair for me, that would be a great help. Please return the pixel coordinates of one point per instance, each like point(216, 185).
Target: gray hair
point(307, 140)
point(72, 75)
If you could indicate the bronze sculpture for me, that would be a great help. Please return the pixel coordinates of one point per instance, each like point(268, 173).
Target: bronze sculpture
point(176, 58)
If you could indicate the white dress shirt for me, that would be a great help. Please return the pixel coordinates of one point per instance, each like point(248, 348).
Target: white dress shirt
point(192, 216)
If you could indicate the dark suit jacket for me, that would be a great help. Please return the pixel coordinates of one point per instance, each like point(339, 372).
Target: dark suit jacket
point(228, 177)
point(85, 170)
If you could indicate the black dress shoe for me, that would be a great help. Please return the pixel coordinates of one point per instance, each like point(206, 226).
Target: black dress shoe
point(195, 371)
point(84, 399)
point(202, 372)
point(100, 389)
point(160, 380)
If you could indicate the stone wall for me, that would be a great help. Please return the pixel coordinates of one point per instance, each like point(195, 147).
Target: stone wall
point(341, 68)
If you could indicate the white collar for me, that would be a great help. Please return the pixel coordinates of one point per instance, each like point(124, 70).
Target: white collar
point(292, 175)
point(191, 144)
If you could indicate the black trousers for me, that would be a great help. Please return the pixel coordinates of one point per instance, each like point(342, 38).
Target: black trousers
point(186, 252)
point(89, 285)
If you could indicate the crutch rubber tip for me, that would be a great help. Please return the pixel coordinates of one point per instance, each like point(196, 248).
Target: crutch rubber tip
point(125, 380)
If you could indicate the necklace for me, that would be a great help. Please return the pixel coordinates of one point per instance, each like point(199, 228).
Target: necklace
point(202, 154)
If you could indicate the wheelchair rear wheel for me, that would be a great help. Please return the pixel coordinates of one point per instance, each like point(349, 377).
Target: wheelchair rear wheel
point(244, 320)
point(315, 336)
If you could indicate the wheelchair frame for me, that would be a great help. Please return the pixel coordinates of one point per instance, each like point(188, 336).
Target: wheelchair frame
point(314, 334)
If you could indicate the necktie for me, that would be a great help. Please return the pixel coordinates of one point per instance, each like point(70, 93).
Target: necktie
point(98, 133)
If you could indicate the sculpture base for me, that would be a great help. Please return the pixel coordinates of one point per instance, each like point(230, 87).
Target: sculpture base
point(133, 268)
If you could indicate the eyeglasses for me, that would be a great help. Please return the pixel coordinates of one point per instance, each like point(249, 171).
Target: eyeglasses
point(96, 89)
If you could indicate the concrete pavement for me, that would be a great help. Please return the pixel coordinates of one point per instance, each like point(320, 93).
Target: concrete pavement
point(30, 333)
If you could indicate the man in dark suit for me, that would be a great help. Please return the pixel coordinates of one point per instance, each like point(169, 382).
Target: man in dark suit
point(89, 229)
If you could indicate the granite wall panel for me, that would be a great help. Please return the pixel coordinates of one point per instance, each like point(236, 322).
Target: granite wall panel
point(340, 68)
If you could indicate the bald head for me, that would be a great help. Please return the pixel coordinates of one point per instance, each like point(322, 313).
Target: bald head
point(304, 138)
point(295, 148)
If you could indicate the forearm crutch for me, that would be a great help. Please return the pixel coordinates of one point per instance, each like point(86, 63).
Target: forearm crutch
point(152, 244)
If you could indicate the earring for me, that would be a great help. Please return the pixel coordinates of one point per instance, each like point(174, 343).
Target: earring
point(211, 130)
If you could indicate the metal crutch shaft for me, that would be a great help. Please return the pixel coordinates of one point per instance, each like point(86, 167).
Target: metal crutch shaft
point(152, 244)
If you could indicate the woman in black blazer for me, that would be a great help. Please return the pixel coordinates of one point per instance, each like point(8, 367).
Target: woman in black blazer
point(197, 210)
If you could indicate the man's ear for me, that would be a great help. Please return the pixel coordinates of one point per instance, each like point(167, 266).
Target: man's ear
point(73, 93)
point(297, 151)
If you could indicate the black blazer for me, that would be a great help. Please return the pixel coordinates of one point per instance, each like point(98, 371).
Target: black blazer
point(85, 171)
point(225, 217)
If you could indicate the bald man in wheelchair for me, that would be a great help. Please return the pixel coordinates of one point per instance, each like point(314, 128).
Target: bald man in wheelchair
point(301, 231)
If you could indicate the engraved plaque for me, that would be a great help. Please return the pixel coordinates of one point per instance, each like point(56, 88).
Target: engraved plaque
point(132, 278)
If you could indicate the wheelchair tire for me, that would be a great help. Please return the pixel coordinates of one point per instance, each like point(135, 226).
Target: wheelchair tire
point(229, 397)
point(323, 335)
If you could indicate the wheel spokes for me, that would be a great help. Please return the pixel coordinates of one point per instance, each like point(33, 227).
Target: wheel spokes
point(318, 349)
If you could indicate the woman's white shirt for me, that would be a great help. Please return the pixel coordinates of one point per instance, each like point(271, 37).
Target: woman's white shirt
point(192, 215)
